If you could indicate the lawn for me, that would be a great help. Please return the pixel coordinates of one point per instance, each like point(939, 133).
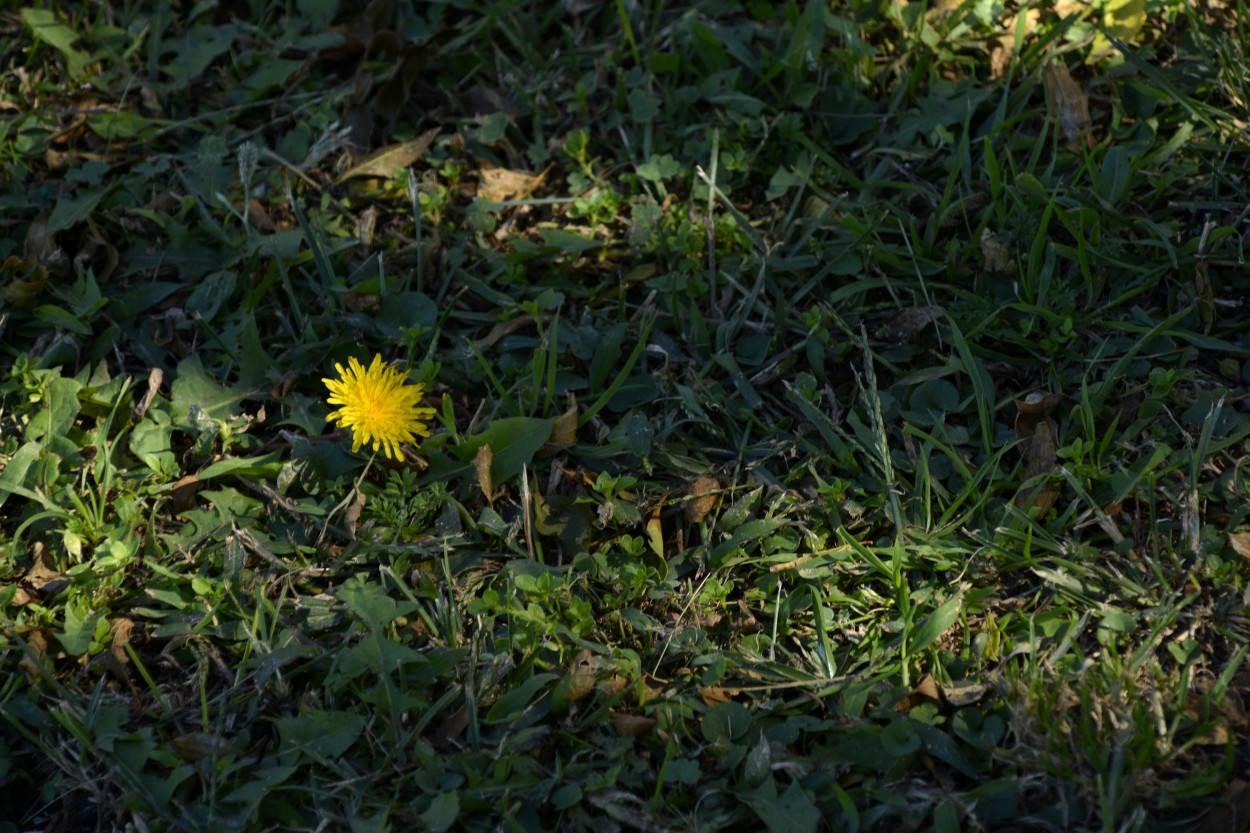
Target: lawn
point(625, 416)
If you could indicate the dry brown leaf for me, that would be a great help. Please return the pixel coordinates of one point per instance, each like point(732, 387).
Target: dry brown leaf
point(24, 281)
point(502, 329)
point(1000, 55)
point(259, 217)
point(964, 694)
point(908, 322)
point(155, 376)
point(42, 574)
point(925, 691)
point(501, 184)
point(182, 495)
point(1232, 814)
point(1205, 295)
point(702, 498)
point(655, 533)
point(564, 428)
point(450, 728)
point(581, 675)
point(998, 257)
point(1038, 434)
point(351, 517)
point(384, 162)
point(20, 596)
point(195, 746)
point(1070, 107)
point(632, 724)
point(1240, 542)
point(121, 628)
point(713, 695)
point(481, 468)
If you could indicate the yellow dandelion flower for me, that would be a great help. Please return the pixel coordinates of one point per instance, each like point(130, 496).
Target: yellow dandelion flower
point(377, 406)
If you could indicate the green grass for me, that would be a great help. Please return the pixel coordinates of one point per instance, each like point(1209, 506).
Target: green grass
point(737, 512)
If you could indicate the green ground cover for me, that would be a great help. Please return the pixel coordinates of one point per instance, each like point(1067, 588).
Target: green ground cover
point(839, 416)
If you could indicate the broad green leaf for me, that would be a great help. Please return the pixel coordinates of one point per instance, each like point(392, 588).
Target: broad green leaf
point(266, 466)
point(936, 624)
point(192, 386)
point(513, 443)
point(195, 50)
point(443, 812)
point(514, 703)
point(321, 735)
point(70, 211)
point(726, 722)
point(44, 25)
point(370, 602)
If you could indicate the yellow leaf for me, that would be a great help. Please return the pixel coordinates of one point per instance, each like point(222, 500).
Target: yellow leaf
point(1121, 19)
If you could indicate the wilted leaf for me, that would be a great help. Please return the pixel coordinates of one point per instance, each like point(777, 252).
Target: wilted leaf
point(713, 695)
point(24, 281)
point(926, 691)
point(908, 322)
point(450, 728)
point(564, 428)
point(997, 256)
point(703, 497)
point(351, 517)
point(481, 468)
point(195, 746)
point(1000, 55)
point(1122, 20)
point(1038, 434)
point(1070, 107)
point(632, 724)
point(121, 628)
point(1204, 294)
point(500, 184)
point(183, 494)
point(581, 675)
point(386, 161)
point(655, 533)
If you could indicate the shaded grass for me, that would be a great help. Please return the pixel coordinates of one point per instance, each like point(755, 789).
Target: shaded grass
point(733, 517)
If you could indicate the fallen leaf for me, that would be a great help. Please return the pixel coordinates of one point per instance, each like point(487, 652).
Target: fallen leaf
point(1240, 542)
point(713, 695)
point(1004, 44)
point(385, 162)
point(501, 184)
point(121, 628)
point(1122, 20)
point(1038, 434)
point(963, 694)
point(155, 376)
point(564, 428)
point(702, 498)
point(998, 257)
point(1205, 295)
point(259, 217)
point(450, 728)
point(908, 322)
point(581, 675)
point(1232, 814)
point(1071, 107)
point(182, 495)
point(632, 724)
point(655, 533)
point(195, 746)
point(925, 691)
point(481, 467)
point(351, 517)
